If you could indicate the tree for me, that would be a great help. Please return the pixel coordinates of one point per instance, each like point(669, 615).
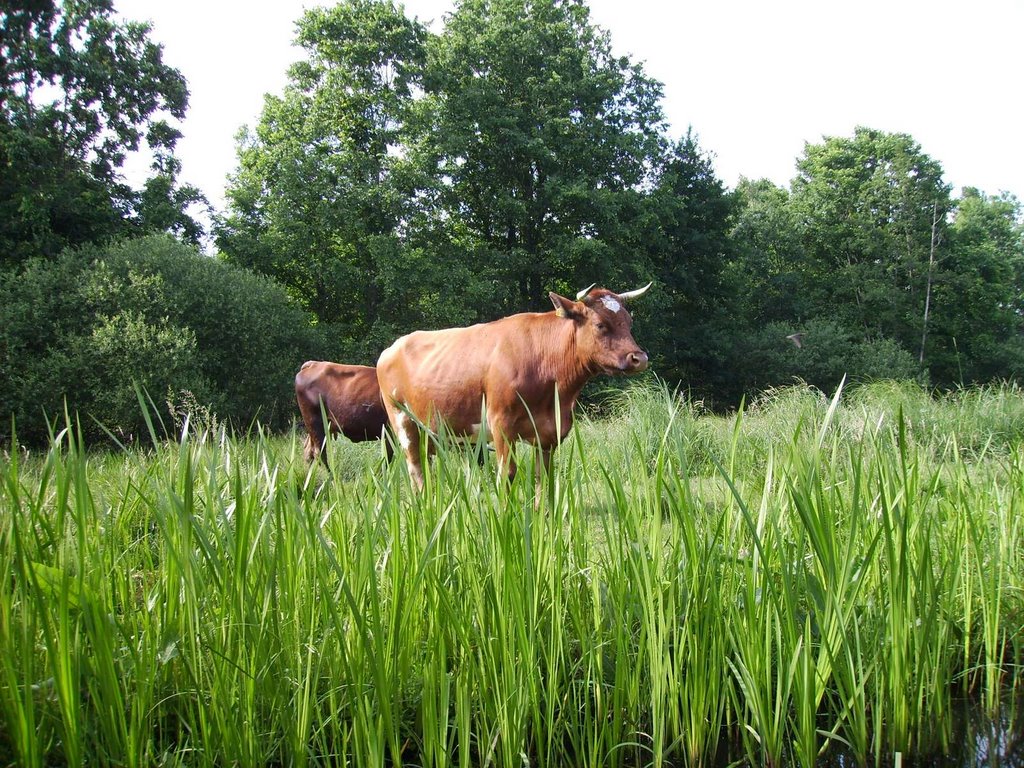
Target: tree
point(977, 321)
point(163, 204)
point(867, 206)
point(406, 181)
point(681, 240)
point(48, 200)
point(770, 269)
point(540, 139)
point(78, 92)
point(322, 186)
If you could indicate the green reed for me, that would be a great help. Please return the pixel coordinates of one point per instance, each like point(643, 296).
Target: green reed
point(812, 575)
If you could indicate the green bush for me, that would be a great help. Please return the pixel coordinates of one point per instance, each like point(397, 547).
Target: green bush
point(827, 352)
point(126, 351)
point(89, 327)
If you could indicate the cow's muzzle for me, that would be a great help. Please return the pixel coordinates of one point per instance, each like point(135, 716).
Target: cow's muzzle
point(635, 362)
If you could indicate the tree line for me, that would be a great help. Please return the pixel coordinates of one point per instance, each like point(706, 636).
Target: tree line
point(410, 179)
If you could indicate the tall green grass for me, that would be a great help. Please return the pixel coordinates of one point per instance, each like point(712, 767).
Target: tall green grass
point(814, 575)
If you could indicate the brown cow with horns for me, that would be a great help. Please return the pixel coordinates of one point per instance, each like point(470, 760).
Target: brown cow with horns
point(514, 367)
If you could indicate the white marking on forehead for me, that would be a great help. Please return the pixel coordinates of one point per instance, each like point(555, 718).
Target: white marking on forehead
point(611, 302)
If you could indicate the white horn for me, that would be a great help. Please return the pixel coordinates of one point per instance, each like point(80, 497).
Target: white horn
point(634, 294)
point(584, 292)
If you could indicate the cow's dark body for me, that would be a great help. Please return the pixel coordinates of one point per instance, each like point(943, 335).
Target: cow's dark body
point(351, 398)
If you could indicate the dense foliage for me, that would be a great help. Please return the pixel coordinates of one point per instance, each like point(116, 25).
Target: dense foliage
point(410, 179)
point(406, 179)
point(85, 331)
point(869, 244)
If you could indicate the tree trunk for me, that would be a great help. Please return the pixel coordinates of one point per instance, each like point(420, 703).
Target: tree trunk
point(928, 283)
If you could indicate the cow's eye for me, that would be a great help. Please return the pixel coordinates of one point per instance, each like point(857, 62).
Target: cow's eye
point(602, 328)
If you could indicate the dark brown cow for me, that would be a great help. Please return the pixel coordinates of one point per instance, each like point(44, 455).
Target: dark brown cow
point(514, 367)
point(351, 398)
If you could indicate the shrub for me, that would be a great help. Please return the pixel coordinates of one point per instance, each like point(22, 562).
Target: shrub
point(89, 327)
point(827, 352)
point(250, 337)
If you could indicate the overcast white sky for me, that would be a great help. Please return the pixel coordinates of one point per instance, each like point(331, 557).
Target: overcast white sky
point(755, 79)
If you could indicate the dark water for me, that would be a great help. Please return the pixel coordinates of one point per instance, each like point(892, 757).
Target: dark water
point(979, 739)
point(975, 740)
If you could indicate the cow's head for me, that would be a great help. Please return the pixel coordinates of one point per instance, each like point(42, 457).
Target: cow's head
point(604, 339)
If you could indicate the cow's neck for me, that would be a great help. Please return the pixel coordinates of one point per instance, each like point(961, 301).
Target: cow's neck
point(569, 373)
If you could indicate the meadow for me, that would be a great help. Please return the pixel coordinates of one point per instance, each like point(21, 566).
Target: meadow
point(816, 579)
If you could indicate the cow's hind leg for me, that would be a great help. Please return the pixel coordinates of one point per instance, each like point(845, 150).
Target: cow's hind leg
point(408, 436)
point(314, 445)
point(309, 449)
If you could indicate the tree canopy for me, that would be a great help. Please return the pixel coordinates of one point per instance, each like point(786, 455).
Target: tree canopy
point(540, 139)
point(409, 179)
point(870, 243)
point(79, 91)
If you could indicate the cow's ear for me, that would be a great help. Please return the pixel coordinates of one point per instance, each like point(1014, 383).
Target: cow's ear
point(564, 307)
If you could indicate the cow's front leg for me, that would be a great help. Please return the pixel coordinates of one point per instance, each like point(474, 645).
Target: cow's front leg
point(504, 443)
point(542, 473)
point(503, 453)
